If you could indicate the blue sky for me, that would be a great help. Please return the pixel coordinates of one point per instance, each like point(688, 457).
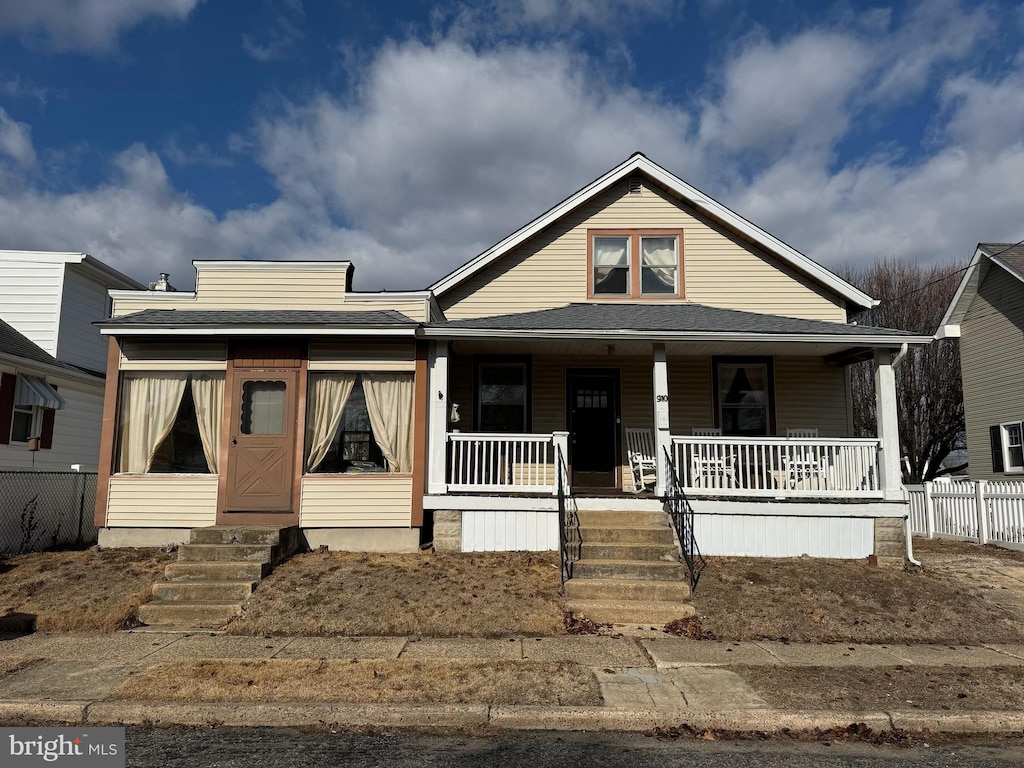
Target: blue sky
point(409, 136)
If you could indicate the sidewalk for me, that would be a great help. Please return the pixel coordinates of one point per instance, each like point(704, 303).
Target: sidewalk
point(644, 682)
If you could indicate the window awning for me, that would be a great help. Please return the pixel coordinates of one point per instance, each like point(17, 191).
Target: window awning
point(31, 390)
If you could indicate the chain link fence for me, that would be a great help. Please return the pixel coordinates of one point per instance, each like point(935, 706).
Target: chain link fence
point(46, 510)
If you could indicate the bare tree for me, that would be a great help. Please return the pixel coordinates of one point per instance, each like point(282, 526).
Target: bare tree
point(929, 390)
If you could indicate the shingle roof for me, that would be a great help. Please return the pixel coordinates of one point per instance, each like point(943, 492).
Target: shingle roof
point(1011, 254)
point(14, 343)
point(244, 317)
point(660, 318)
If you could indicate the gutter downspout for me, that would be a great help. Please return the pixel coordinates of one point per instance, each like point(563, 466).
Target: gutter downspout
point(906, 518)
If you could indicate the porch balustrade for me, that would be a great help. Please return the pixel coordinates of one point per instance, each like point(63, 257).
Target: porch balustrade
point(512, 463)
point(778, 467)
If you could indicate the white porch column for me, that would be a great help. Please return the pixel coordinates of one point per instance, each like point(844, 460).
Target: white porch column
point(888, 426)
point(437, 424)
point(662, 433)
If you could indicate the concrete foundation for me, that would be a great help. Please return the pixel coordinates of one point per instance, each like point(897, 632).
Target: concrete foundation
point(448, 530)
point(113, 538)
point(890, 541)
point(364, 539)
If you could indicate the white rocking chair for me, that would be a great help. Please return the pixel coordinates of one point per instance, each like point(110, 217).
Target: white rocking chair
point(643, 464)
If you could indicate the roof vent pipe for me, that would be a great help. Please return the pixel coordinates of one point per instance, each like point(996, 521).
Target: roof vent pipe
point(163, 284)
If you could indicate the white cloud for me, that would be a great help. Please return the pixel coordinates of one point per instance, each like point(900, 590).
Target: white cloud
point(16, 140)
point(85, 25)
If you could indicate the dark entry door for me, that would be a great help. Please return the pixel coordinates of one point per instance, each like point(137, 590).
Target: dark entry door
point(593, 408)
point(261, 448)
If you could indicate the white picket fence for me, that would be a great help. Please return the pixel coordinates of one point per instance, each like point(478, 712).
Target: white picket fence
point(989, 512)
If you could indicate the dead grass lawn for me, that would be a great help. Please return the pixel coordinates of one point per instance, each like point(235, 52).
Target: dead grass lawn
point(15, 663)
point(888, 688)
point(386, 681)
point(432, 595)
point(80, 591)
point(805, 599)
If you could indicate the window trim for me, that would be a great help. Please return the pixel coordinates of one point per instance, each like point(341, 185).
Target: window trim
point(35, 429)
point(768, 362)
point(635, 292)
point(526, 362)
point(1008, 468)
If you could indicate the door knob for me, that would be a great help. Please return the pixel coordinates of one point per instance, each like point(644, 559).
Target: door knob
point(234, 441)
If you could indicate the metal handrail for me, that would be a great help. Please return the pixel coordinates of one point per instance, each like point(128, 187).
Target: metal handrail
point(681, 513)
point(570, 547)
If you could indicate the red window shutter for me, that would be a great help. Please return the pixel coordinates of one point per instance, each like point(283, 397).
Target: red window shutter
point(46, 438)
point(7, 382)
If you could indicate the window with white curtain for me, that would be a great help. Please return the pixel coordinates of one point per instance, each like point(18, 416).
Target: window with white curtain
point(359, 422)
point(743, 399)
point(635, 263)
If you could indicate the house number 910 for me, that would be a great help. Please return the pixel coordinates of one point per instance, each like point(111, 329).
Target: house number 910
point(661, 399)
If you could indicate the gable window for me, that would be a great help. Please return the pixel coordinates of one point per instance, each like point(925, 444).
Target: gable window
point(635, 263)
point(743, 397)
point(502, 397)
point(1013, 446)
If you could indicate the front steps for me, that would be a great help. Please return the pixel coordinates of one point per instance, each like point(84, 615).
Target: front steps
point(216, 573)
point(629, 571)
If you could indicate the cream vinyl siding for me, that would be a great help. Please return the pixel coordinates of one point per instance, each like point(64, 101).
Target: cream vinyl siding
point(356, 501)
point(809, 393)
point(173, 356)
point(79, 341)
point(719, 268)
point(162, 501)
point(414, 309)
point(30, 299)
point(76, 429)
point(690, 401)
point(355, 356)
point(992, 362)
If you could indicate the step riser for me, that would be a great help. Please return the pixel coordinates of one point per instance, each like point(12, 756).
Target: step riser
point(655, 571)
point(184, 591)
point(186, 615)
point(627, 536)
point(646, 552)
point(589, 517)
point(205, 553)
point(587, 589)
point(649, 616)
point(286, 539)
point(243, 571)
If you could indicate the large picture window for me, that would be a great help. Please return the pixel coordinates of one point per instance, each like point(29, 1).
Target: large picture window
point(359, 423)
point(170, 422)
point(502, 397)
point(635, 263)
point(743, 392)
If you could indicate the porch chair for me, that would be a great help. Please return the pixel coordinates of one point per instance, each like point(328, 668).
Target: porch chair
point(713, 471)
point(706, 432)
point(643, 464)
point(803, 465)
point(802, 432)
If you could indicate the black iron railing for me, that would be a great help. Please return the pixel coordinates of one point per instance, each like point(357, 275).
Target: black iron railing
point(570, 543)
point(679, 510)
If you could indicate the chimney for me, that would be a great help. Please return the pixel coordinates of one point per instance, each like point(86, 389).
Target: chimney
point(163, 284)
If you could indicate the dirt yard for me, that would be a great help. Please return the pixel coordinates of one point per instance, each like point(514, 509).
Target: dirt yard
point(964, 594)
point(434, 595)
point(391, 681)
point(79, 591)
point(888, 688)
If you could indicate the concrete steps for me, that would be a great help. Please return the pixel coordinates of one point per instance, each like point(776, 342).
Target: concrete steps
point(629, 570)
point(216, 573)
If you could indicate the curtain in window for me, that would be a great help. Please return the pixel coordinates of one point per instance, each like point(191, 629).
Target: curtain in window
point(208, 394)
point(389, 402)
point(658, 258)
point(611, 264)
point(328, 394)
point(148, 406)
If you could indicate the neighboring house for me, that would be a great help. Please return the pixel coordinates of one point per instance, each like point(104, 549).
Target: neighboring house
point(273, 393)
point(52, 358)
point(987, 315)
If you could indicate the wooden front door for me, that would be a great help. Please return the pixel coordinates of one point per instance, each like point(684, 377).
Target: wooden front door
point(261, 447)
point(593, 409)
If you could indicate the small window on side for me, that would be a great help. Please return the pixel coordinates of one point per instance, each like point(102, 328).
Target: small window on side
point(24, 423)
point(1013, 446)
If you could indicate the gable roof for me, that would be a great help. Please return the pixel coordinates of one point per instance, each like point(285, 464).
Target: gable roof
point(693, 197)
point(1006, 256)
point(664, 321)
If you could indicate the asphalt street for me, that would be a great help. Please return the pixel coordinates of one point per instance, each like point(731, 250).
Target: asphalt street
point(288, 748)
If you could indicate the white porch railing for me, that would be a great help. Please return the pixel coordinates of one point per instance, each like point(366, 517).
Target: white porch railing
point(777, 467)
point(511, 463)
